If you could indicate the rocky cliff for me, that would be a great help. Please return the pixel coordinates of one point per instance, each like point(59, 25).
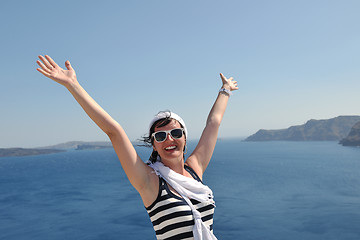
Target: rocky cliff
point(333, 129)
point(353, 139)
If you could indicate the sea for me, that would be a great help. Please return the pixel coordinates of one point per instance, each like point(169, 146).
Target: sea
point(263, 191)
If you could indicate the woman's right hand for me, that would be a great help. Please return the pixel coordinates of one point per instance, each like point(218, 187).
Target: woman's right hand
point(51, 70)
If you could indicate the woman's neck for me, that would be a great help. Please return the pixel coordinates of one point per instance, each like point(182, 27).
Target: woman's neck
point(175, 165)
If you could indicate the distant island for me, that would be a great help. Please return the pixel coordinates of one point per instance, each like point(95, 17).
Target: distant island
point(17, 152)
point(334, 129)
point(79, 145)
point(75, 145)
point(353, 139)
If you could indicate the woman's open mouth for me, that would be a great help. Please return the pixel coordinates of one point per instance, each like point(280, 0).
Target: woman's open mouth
point(170, 148)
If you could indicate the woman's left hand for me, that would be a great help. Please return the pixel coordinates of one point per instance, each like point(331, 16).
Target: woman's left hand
point(229, 83)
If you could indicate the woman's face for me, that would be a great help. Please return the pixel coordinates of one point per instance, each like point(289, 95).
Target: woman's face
point(170, 148)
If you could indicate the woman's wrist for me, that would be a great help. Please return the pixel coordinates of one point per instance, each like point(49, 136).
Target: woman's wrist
point(71, 86)
point(225, 91)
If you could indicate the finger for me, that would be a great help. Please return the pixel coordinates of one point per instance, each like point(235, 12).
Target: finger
point(68, 65)
point(222, 77)
point(231, 78)
point(46, 63)
point(46, 74)
point(43, 67)
point(51, 61)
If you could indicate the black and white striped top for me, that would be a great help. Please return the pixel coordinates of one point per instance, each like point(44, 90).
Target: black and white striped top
point(172, 217)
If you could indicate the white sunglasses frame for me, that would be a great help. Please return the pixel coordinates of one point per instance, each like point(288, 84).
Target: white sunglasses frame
point(167, 133)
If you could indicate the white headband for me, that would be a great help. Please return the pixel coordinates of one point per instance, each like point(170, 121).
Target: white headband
point(168, 114)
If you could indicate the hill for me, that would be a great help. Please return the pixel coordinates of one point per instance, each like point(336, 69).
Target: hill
point(333, 129)
point(62, 147)
point(17, 152)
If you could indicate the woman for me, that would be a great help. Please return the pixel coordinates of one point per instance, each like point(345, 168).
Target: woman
point(179, 205)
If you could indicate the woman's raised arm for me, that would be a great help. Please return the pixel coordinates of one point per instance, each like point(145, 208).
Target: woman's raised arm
point(68, 79)
point(136, 170)
point(202, 154)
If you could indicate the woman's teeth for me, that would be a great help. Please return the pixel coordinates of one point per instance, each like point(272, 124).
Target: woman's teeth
point(170, 147)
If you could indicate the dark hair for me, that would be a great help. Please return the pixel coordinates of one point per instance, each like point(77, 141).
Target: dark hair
point(149, 141)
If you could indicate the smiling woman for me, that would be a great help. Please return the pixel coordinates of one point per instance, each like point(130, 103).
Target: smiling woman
point(180, 206)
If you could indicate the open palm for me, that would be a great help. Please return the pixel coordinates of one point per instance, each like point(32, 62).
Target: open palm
point(51, 70)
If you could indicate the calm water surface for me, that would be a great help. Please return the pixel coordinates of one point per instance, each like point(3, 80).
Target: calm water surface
point(263, 190)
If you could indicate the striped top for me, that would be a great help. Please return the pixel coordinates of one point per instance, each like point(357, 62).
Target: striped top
point(171, 216)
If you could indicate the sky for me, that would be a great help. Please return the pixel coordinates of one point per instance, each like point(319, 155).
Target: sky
point(293, 60)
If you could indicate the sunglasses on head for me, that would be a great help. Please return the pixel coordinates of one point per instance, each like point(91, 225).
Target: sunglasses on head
point(160, 136)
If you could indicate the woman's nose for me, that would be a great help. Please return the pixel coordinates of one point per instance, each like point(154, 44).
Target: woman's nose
point(168, 136)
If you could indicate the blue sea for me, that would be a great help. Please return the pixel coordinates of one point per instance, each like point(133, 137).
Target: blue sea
point(263, 190)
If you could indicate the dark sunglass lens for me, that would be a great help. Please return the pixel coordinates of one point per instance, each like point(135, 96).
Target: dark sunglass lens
point(160, 136)
point(176, 133)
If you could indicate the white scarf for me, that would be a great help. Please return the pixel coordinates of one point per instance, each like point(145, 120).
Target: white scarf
point(188, 188)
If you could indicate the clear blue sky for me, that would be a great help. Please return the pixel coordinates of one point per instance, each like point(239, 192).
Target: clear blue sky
point(294, 61)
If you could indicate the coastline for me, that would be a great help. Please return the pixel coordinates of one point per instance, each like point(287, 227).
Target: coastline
point(19, 152)
point(62, 147)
